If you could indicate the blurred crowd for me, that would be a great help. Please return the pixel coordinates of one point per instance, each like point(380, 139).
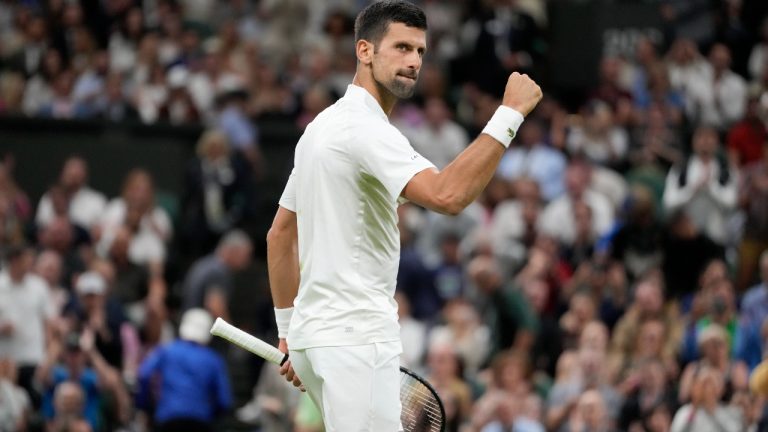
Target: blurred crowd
point(612, 277)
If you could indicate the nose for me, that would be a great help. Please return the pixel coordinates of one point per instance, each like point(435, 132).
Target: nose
point(414, 60)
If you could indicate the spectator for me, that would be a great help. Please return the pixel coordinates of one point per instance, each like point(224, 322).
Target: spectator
point(85, 205)
point(69, 406)
point(557, 219)
point(638, 242)
point(219, 194)
point(25, 316)
point(514, 225)
point(759, 55)
point(686, 65)
point(464, 331)
point(715, 349)
point(113, 105)
point(136, 210)
point(650, 391)
point(62, 104)
point(532, 158)
point(648, 305)
point(753, 199)
point(190, 379)
point(437, 137)
point(445, 373)
point(231, 118)
point(718, 100)
point(748, 136)
point(19, 208)
point(178, 108)
point(76, 360)
point(512, 322)
point(15, 406)
point(598, 137)
point(754, 304)
point(209, 281)
point(49, 267)
point(704, 185)
point(705, 412)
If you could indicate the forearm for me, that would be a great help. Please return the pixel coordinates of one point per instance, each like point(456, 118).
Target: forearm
point(464, 179)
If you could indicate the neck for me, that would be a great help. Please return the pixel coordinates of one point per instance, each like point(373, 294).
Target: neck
point(385, 99)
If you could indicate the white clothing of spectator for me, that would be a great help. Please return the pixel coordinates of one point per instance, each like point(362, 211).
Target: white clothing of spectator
point(720, 99)
point(136, 210)
point(24, 310)
point(707, 189)
point(557, 219)
point(85, 204)
point(759, 55)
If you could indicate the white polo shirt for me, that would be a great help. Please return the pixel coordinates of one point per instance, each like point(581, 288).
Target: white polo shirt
point(350, 167)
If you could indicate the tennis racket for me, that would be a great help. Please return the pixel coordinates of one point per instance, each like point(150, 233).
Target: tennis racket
point(422, 409)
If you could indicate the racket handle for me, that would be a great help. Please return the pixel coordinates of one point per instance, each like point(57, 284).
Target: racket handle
point(248, 342)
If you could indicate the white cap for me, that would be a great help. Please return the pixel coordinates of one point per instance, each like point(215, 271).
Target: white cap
point(196, 326)
point(90, 283)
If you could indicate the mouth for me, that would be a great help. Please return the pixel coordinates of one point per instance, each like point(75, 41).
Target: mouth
point(408, 77)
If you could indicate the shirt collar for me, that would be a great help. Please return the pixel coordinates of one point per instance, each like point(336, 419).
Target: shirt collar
point(359, 94)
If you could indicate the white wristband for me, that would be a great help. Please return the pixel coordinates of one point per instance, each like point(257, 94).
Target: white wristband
point(504, 124)
point(283, 320)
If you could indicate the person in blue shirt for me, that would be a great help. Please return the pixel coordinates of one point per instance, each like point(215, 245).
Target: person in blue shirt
point(185, 383)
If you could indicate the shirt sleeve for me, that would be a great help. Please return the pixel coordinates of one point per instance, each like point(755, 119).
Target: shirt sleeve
point(389, 157)
point(288, 199)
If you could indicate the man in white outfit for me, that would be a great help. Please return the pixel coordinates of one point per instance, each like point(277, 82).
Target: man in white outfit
point(333, 248)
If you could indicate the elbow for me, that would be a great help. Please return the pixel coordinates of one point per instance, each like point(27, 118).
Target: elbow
point(450, 204)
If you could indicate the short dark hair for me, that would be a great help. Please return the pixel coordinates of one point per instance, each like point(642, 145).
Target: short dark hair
point(373, 21)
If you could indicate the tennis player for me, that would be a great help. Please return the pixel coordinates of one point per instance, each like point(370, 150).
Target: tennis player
point(334, 246)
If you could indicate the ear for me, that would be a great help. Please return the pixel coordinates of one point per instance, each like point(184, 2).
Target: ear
point(364, 51)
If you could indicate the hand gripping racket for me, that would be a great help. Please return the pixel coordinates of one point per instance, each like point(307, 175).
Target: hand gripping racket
point(422, 409)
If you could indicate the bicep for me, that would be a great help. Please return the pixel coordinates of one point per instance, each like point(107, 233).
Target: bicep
point(422, 188)
point(285, 222)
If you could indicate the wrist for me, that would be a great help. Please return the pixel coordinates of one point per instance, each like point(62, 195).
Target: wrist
point(504, 124)
point(283, 320)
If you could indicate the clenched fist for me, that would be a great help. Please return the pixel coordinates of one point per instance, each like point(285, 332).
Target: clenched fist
point(522, 93)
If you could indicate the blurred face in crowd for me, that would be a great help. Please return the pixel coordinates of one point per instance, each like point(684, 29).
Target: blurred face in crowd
point(576, 180)
point(68, 400)
point(74, 174)
point(650, 341)
point(764, 268)
point(537, 293)
point(531, 133)
point(21, 264)
point(57, 235)
point(648, 297)
point(395, 60)
point(436, 112)
point(720, 57)
point(237, 256)
point(442, 361)
point(705, 142)
point(707, 386)
point(48, 266)
point(592, 409)
point(139, 191)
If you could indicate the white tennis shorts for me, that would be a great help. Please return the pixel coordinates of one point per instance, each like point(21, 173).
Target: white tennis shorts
point(357, 388)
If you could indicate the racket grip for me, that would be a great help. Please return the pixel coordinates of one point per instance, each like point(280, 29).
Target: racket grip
point(248, 342)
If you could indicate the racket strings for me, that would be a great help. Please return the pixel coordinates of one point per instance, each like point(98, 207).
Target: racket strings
point(420, 408)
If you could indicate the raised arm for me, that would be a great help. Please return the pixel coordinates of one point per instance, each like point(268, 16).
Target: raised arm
point(458, 184)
